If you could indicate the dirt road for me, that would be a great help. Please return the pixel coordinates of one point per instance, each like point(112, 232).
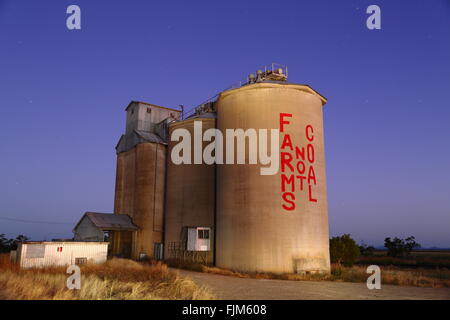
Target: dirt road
point(231, 288)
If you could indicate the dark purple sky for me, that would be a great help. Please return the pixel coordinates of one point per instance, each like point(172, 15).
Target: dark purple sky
point(387, 123)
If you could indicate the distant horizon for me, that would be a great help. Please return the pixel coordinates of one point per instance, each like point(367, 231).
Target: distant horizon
point(380, 247)
point(63, 95)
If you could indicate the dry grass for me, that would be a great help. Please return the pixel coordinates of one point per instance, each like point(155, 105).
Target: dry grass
point(117, 279)
point(436, 278)
point(5, 263)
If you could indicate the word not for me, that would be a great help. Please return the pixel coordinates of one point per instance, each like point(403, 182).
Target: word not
point(297, 170)
point(374, 281)
point(214, 152)
point(74, 281)
point(73, 22)
point(373, 21)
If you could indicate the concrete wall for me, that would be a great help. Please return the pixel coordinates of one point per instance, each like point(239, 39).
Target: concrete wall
point(45, 254)
point(190, 200)
point(254, 231)
point(140, 185)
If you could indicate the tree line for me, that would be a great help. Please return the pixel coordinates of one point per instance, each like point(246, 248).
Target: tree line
point(345, 251)
point(6, 245)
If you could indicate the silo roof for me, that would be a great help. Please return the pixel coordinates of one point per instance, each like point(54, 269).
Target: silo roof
point(130, 140)
point(151, 105)
point(273, 84)
point(149, 136)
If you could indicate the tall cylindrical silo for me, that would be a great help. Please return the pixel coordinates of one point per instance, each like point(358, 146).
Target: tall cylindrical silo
point(190, 195)
point(274, 223)
point(140, 185)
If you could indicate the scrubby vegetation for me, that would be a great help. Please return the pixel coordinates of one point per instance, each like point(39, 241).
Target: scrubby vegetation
point(6, 245)
point(116, 279)
point(344, 250)
point(400, 247)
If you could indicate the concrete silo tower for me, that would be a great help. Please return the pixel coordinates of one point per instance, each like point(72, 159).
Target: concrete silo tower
point(190, 200)
point(274, 223)
point(140, 179)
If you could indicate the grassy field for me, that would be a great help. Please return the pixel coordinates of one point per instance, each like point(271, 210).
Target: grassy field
point(417, 259)
point(126, 279)
point(116, 279)
point(436, 277)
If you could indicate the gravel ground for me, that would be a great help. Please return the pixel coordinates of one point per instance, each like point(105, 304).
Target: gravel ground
point(230, 288)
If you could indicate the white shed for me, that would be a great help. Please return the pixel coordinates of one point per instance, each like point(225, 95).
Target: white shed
point(50, 254)
point(198, 239)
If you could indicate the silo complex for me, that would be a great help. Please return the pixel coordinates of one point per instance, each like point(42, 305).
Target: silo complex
point(229, 213)
point(190, 197)
point(274, 223)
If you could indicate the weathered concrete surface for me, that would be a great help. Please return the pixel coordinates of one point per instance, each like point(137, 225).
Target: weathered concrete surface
point(254, 231)
point(231, 288)
point(190, 200)
point(140, 185)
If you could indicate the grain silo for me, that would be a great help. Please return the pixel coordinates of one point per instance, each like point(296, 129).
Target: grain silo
point(274, 223)
point(228, 214)
point(190, 199)
point(140, 179)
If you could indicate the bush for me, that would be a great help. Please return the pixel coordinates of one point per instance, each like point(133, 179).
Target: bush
point(399, 247)
point(366, 251)
point(344, 250)
point(6, 245)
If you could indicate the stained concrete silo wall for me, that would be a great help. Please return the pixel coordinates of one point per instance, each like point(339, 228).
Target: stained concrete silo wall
point(254, 231)
point(140, 185)
point(190, 200)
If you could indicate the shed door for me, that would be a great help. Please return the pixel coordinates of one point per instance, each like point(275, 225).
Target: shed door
point(192, 239)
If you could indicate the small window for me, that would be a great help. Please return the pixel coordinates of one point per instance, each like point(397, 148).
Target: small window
point(59, 249)
point(149, 110)
point(203, 234)
point(35, 251)
point(79, 261)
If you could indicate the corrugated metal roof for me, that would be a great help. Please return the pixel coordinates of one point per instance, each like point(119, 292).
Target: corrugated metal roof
point(149, 136)
point(110, 221)
point(152, 105)
point(130, 140)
